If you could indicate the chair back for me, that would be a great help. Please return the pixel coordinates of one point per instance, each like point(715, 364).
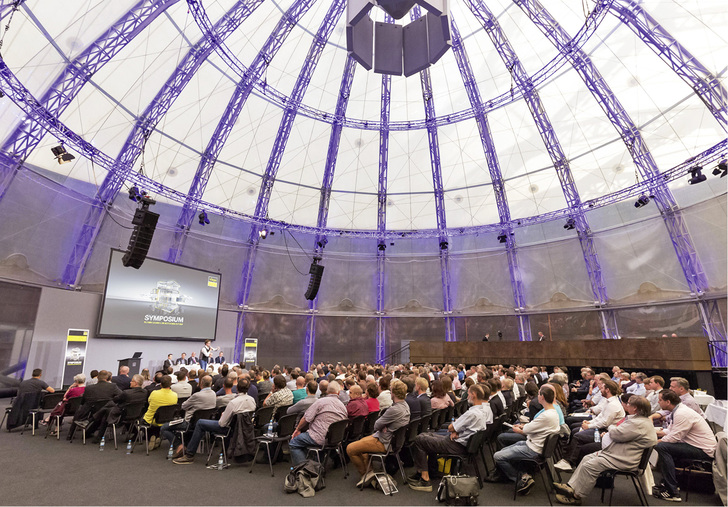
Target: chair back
point(645, 459)
point(72, 406)
point(49, 401)
point(205, 413)
point(262, 416)
point(356, 427)
point(281, 411)
point(549, 446)
point(371, 419)
point(165, 414)
point(413, 429)
point(399, 438)
point(287, 425)
point(476, 441)
point(180, 401)
point(447, 415)
point(337, 432)
point(435, 419)
point(261, 399)
point(96, 406)
point(132, 412)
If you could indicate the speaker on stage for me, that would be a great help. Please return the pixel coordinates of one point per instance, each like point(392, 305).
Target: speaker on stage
point(316, 272)
point(145, 222)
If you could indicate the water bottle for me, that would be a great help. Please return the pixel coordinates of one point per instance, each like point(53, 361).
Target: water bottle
point(128, 447)
point(270, 429)
point(597, 436)
point(102, 444)
point(170, 452)
point(220, 462)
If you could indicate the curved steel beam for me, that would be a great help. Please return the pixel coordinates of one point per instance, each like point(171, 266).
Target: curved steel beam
point(553, 146)
point(59, 95)
point(280, 99)
point(705, 84)
point(120, 170)
point(491, 158)
point(21, 96)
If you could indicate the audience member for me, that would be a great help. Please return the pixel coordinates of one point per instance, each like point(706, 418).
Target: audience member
point(122, 380)
point(372, 393)
point(182, 387)
point(302, 405)
point(385, 396)
point(162, 397)
point(280, 396)
point(205, 399)
point(112, 411)
point(439, 399)
point(682, 387)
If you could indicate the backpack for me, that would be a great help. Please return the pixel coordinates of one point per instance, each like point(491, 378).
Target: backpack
point(305, 478)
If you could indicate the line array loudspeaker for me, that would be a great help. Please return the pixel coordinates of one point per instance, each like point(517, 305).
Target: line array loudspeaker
point(316, 272)
point(145, 222)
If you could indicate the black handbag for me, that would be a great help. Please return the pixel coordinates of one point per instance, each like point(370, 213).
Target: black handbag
point(458, 490)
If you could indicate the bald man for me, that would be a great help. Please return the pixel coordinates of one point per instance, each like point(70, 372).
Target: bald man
point(122, 380)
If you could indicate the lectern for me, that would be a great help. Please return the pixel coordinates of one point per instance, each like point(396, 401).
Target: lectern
point(132, 362)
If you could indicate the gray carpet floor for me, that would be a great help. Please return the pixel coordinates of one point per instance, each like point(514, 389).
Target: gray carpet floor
point(37, 471)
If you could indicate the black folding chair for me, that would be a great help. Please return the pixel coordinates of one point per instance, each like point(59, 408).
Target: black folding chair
point(47, 403)
point(130, 416)
point(85, 422)
point(221, 437)
point(164, 414)
point(207, 413)
point(261, 419)
point(540, 463)
point(473, 449)
point(371, 419)
point(72, 405)
point(398, 439)
point(286, 427)
point(334, 442)
point(413, 429)
point(356, 429)
point(635, 475)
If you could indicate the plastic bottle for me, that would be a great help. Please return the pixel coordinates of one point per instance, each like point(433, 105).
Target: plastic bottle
point(170, 452)
point(270, 429)
point(597, 436)
point(220, 462)
point(128, 447)
point(102, 444)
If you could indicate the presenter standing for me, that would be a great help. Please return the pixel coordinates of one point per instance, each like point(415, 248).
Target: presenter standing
point(205, 354)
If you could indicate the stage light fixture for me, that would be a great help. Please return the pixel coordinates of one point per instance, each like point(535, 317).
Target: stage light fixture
point(696, 175)
point(203, 218)
point(61, 154)
point(643, 200)
point(722, 169)
point(570, 224)
point(443, 245)
point(502, 238)
point(381, 246)
point(263, 233)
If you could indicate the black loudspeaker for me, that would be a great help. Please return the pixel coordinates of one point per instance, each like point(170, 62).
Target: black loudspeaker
point(316, 272)
point(145, 222)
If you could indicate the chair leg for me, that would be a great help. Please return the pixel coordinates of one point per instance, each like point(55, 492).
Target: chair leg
point(401, 469)
point(270, 459)
point(369, 467)
point(32, 433)
point(209, 453)
point(515, 484)
point(252, 463)
point(546, 486)
point(640, 491)
point(113, 429)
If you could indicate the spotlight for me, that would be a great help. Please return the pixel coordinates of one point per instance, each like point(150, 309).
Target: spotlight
point(203, 218)
point(722, 169)
point(381, 246)
point(696, 175)
point(263, 233)
point(322, 243)
point(61, 154)
point(643, 200)
point(443, 245)
point(502, 238)
point(134, 194)
point(570, 224)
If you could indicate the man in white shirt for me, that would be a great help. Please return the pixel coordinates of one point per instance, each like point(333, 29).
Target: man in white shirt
point(687, 436)
point(638, 387)
point(183, 388)
point(536, 433)
point(682, 387)
point(654, 385)
point(611, 413)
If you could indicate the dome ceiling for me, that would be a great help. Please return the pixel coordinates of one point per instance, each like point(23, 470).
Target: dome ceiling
point(264, 104)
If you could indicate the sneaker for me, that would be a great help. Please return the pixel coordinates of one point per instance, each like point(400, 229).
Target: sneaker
point(414, 477)
point(495, 477)
point(184, 460)
point(420, 485)
point(366, 479)
point(567, 500)
point(152, 442)
point(564, 489)
point(525, 485)
point(564, 466)
point(179, 452)
point(664, 494)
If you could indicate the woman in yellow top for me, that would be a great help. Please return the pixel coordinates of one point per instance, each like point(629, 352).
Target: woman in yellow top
point(159, 398)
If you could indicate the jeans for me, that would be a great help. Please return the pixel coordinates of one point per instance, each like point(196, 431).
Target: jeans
point(431, 444)
point(203, 365)
point(203, 426)
point(668, 453)
point(299, 447)
point(509, 438)
point(514, 452)
point(171, 435)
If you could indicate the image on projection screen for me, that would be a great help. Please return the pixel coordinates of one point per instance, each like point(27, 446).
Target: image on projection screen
point(159, 300)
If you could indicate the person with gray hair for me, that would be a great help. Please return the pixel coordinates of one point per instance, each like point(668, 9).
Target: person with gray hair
point(111, 412)
point(318, 417)
point(74, 391)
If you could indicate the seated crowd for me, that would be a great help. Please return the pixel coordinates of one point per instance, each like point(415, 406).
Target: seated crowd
point(603, 421)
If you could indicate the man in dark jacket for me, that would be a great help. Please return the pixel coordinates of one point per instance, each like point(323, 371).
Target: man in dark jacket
point(122, 380)
point(102, 391)
point(111, 412)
